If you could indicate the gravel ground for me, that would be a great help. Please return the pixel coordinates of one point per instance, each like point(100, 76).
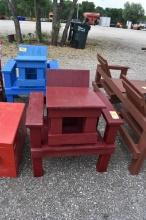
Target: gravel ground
point(71, 189)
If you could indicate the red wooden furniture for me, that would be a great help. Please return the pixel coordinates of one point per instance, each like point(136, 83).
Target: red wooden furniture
point(68, 77)
point(131, 94)
point(70, 127)
point(134, 114)
point(12, 137)
point(113, 86)
point(72, 115)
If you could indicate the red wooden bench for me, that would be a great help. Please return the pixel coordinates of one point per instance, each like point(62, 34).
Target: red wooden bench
point(132, 95)
point(134, 114)
point(38, 125)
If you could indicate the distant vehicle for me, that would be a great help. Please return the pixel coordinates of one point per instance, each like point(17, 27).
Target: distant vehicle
point(93, 17)
point(44, 19)
point(139, 26)
point(112, 24)
point(2, 17)
point(21, 18)
point(50, 16)
point(105, 22)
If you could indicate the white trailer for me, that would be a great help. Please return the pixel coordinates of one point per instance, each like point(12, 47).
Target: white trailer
point(105, 21)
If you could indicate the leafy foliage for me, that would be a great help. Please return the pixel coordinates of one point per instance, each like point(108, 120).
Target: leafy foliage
point(133, 12)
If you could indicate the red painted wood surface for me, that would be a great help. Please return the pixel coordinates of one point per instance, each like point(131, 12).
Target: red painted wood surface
point(78, 102)
point(35, 114)
point(131, 94)
point(12, 137)
point(74, 98)
point(68, 78)
point(40, 146)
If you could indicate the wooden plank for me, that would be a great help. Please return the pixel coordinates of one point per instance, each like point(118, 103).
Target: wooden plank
point(72, 150)
point(35, 110)
point(128, 140)
point(74, 138)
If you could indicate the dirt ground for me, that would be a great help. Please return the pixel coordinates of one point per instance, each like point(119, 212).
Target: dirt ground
point(71, 189)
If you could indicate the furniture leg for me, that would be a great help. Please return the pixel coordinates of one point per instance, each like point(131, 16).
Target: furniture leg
point(10, 98)
point(136, 164)
point(37, 165)
point(102, 163)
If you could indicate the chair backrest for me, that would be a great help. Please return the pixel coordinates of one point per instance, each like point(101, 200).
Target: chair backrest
point(68, 78)
point(134, 95)
point(104, 65)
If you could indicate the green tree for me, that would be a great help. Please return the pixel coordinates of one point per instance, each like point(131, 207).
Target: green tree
point(115, 14)
point(69, 18)
point(100, 10)
point(133, 12)
point(86, 7)
point(3, 8)
point(12, 7)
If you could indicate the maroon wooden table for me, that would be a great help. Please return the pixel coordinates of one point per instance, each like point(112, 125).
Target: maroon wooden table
point(70, 127)
point(73, 114)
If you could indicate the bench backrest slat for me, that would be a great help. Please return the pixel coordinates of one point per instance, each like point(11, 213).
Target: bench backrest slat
point(104, 65)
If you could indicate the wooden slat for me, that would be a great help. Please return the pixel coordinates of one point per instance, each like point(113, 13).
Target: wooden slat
point(35, 110)
point(128, 140)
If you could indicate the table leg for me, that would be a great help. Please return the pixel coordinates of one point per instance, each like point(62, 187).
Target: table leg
point(102, 163)
point(35, 139)
point(37, 165)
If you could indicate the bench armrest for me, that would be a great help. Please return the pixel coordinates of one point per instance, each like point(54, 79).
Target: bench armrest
point(107, 112)
point(113, 121)
point(118, 67)
point(35, 111)
point(123, 69)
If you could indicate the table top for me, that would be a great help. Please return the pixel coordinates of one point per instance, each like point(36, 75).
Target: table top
point(10, 116)
point(72, 97)
point(32, 53)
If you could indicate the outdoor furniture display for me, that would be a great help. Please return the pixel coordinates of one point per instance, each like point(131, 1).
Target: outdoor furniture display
point(27, 72)
point(70, 126)
point(131, 94)
point(12, 137)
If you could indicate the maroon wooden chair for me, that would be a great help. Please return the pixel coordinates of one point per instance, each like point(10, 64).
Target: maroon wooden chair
point(39, 125)
point(134, 114)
